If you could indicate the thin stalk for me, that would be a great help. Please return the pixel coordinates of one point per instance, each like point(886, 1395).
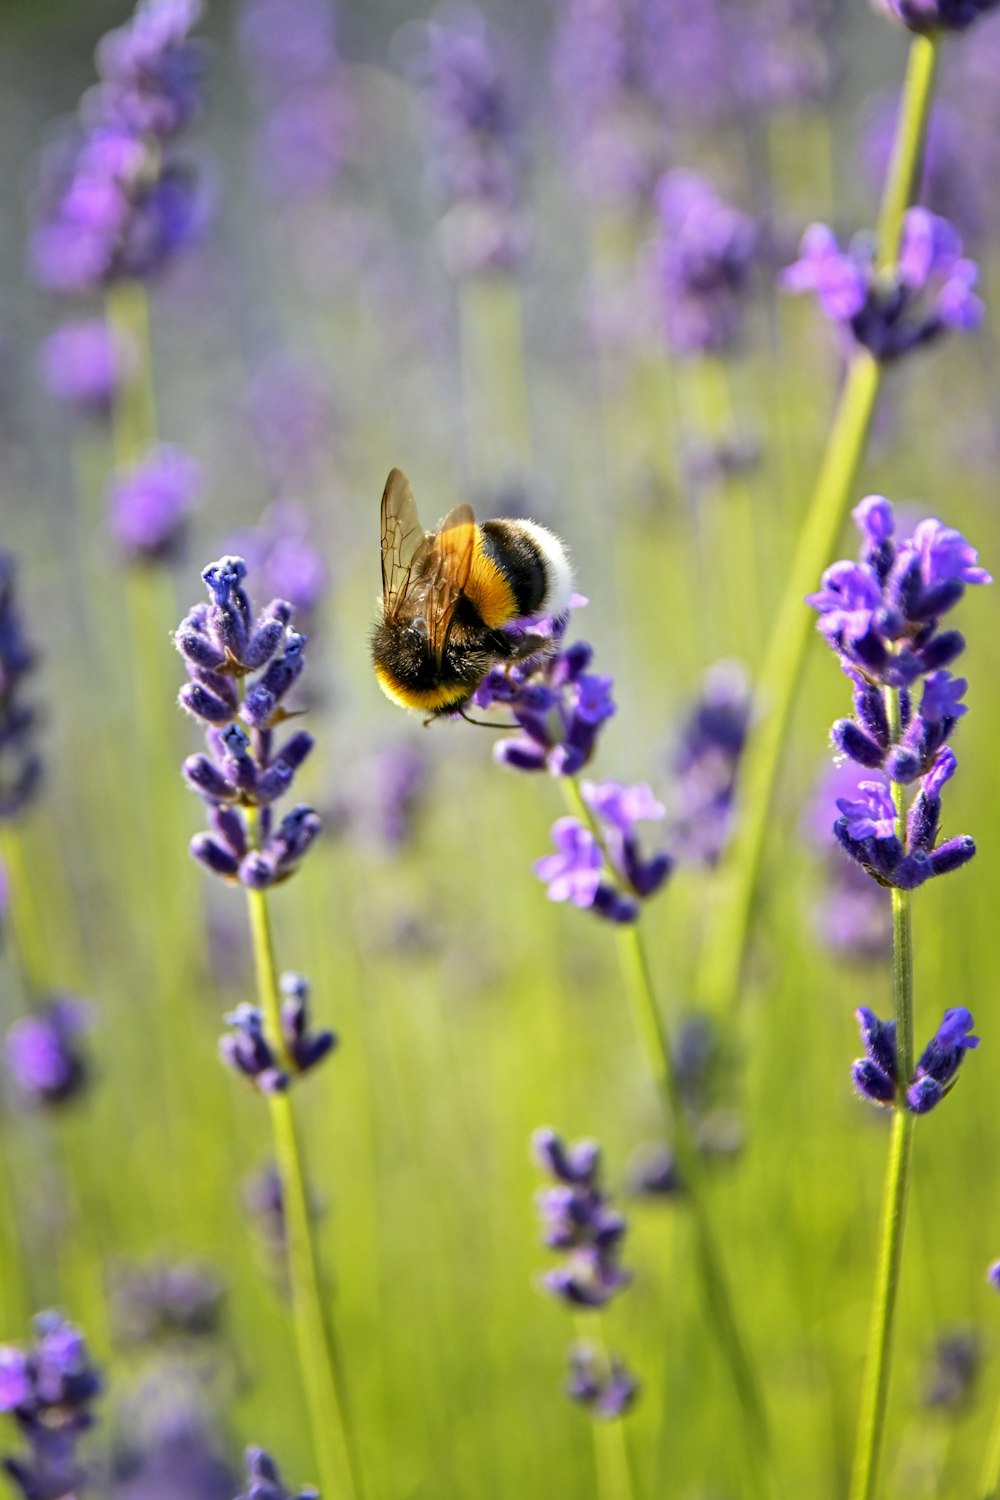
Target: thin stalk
point(654, 1039)
point(612, 1455)
point(319, 1358)
point(785, 652)
point(989, 1485)
point(26, 927)
point(875, 1388)
point(133, 417)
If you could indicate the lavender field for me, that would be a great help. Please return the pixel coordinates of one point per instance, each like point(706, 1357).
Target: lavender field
point(554, 1058)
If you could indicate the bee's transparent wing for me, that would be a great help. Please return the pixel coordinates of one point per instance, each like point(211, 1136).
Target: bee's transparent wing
point(445, 573)
point(403, 537)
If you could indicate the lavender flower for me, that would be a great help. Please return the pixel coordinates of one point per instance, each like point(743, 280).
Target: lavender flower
point(289, 410)
point(151, 70)
point(704, 258)
point(287, 44)
point(993, 1275)
point(49, 1389)
point(876, 1075)
point(244, 769)
point(853, 916)
point(248, 1051)
point(951, 1374)
point(690, 61)
point(167, 1300)
point(890, 313)
point(935, 15)
point(20, 762)
point(789, 57)
point(705, 763)
point(579, 1222)
point(611, 877)
point(605, 1386)
point(150, 504)
point(882, 615)
point(558, 705)
point(83, 364)
point(264, 1481)
point(281, 550)
point(44, 1055)
point(384, 807)
point(474, 146)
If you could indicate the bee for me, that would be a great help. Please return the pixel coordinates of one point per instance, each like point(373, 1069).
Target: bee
point(447, 594)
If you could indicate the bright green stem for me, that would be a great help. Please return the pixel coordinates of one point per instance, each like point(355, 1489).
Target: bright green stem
point(989, 1485)
point(875, 1390)
point(322, 1377)
point(612, 1457)
point(27, 930)
point(134, 414)
point(779, 676)
point(906, 162)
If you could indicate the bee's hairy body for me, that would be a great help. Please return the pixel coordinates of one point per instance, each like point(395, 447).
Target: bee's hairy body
point(484, 576)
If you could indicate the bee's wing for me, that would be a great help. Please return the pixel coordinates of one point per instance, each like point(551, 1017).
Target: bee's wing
point(402, 538)
point(446, 572)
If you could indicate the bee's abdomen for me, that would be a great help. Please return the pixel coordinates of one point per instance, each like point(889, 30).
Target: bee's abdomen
point(511, 575)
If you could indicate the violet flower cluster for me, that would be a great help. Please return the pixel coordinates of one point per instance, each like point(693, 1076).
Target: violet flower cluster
point(609, 875)
point(579, 1222)
point(891, 312)
point(558, 705)
point(149, 505)
point(935, 15)
point(49, 1390)
point(245, 770)
point(44, 1052)
point(20, 761)
point(876, 1075)
point(475, 148)
point(704, 253)
point(281, 551)
point(166, 1300)
point(882, 617)
point(705, 762)
point(249, 1052)
point(264, 1480)
point(83, 365)
point(853, 917)
point(114, 201)
point(308, 124)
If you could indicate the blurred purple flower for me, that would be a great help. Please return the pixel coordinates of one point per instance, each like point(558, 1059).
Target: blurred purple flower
point(603, 1385)
point(705, 252)
point(20, 762)
point(149, 506)
point(83, 364)
point(287, 44)
point(304, 141)
point(49, 1389)
point(265, 1481)
point(705, 762)
point(43, 1052)
point(151, 70)
point(291, 417)
point(579, 1222)
point(935, 15)
point(166, 1299)
point(281, 552)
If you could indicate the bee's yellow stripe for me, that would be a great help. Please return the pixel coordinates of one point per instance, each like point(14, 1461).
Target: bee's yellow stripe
point(421, 701)
point(489, 590)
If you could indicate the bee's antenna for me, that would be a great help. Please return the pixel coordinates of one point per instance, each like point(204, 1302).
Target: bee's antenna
point(483, 723)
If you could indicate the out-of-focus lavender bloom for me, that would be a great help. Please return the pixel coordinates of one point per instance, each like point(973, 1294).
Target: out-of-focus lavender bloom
point(707, 464)
point(951, 184)
point(151, 70)
point(304, 142)
point(615, 139)
point(247, 1049)
point(788, 55)
point(876, 1075)
point(20, 762)
point(993, 1275)
point(383, 808)
point(580, 1223)
point(290, 413)
point(44, 1053)
point(705, 251)
point(604, 1386)
point(168, 1446)
point(930, 289)
point(280, 551)
point(264, 1481)
point(556, 703)
point(882, 615)
point(111, 207)
point(951, 1374)
point(705, 763)
point(82, 365)
point(49, 1389)
point(165, 1300)
point(935, 15)
point(287, 44)
point(690, 60)
point(264, 1202)
point(475, 145)
point(655, 1174)
point(149, 505)
point(244, 769)
point(853, 916)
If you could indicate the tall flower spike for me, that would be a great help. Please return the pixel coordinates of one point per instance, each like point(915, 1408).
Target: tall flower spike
point(579, 1222)
point(49, 1389)
point(882, 616)
point(876, 1074)
point(930, 289)
point(245, 768)
point(704, 259)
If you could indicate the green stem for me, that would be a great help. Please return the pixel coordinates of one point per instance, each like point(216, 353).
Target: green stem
point(654, 1039)
point(134, 415)
point(989, 1485)
point(875, 1388)
point(319, 1359)
point(612, 1457)
point(906, 161)
point(785, 653)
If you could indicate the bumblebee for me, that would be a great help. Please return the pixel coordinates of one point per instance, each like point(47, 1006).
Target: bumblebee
point(447, 594)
